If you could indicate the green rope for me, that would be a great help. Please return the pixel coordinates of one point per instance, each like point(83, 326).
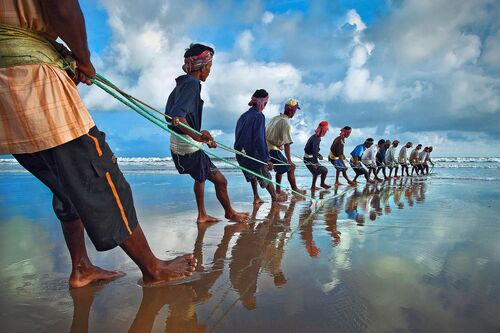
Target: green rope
point(164, 125)
point(138, 103)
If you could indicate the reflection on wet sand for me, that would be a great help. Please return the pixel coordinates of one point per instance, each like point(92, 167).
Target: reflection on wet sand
point(260, 247)
point(290, 265)
point(369, 200)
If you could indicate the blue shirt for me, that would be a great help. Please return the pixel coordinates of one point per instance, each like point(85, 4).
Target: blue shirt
point(185, 101)
point(358, 151)
point(250, 135)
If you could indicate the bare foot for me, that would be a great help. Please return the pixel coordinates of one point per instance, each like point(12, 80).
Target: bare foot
point(299, 190)
point(257, 201)
point(338, 183)
point(325, 186)
point(207, 219)
point(314, 188)
point(352, 183)
point(280, 197)
point(170, 270)
point(237, 216)
point(82, 276)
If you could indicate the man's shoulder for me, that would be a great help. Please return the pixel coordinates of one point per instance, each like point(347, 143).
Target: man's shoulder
point(188, 82)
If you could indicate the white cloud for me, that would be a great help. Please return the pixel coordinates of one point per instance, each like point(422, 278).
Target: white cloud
point(267, 18)
point(244, 43)
point(358, 85)
point(474, 91)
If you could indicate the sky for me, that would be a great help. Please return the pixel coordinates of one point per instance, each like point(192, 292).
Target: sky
point(413, 70)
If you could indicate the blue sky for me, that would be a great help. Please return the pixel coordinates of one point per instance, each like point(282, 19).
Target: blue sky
point(415, 70)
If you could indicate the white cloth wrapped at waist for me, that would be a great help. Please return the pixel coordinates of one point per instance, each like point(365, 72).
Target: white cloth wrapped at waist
point(308, 156)
point(181, 147)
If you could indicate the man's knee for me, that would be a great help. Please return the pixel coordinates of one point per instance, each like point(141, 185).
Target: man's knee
point(219, 179)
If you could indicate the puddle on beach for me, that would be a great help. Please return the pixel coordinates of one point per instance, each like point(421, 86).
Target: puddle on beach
point(401, 256)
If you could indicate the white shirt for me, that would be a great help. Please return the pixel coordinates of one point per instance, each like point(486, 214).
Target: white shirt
point(369, 157)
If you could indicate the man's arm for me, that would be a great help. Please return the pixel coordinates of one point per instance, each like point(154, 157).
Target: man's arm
point(66, 19)
point(205, 136)
point(288, 155)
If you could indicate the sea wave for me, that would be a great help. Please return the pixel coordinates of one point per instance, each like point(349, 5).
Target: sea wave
point(151, 164)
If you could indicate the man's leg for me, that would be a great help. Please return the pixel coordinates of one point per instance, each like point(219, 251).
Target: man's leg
point(337, 174)
point(220, 183)
point(324, 174)
point(279, 177)
point(256, 197)
point(293, 184)
point(350, 182)
point(154, 270)
point(313, 184)
point(89, 174)
point(276, 197)
point(199, 192)
point(83, 271)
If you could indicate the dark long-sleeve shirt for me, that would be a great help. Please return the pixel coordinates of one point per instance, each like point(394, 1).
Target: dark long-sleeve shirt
point(185, 101)
point(312, 147)
point(250, 135)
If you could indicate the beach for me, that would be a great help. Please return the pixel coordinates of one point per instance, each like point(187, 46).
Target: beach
point(416, 254)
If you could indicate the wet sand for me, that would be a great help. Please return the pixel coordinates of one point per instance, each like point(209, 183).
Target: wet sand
point(411, 255)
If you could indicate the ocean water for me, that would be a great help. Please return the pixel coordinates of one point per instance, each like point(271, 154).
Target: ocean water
point(416, 254)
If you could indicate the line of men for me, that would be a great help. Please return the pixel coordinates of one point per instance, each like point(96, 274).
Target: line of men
point(367, 159)
point(266, 143)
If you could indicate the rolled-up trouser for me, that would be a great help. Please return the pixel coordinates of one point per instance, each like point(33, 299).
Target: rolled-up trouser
point(86, 182)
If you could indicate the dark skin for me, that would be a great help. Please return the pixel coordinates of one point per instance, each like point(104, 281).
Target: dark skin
point(343, 134)
point(66, 19)
point(217, 178)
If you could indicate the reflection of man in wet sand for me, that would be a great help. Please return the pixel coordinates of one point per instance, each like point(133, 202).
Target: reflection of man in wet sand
point(183, 299)
point(398, 192)
point(331, 215)
point(50, 132)
point(253, 251)
point(385, 195)
point(351, 208)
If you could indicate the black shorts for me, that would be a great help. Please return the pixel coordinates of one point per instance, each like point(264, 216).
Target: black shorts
point(86, 183)
point(264, 172)
point(198, 165)
point(315, 170)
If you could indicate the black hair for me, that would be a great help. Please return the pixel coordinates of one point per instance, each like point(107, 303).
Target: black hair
point(381, 142)
point(260, 93)
point(370, 140)
point(197, 49)
point(346, 128)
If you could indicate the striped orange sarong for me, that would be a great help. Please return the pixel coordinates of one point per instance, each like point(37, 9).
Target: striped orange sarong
point(40, 107)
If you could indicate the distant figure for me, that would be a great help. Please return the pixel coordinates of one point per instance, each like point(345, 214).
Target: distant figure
point(312, 156)
point(382, 149)
point(403, 158)
point(428, 161)
point(356, 156)
point(414, 160)
point(186, 106)
point(369, 159)
point(422, 158)
point(251, 140)
point(47, 128)
point(337, 158)
point(390, 159)
point(279, 137)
